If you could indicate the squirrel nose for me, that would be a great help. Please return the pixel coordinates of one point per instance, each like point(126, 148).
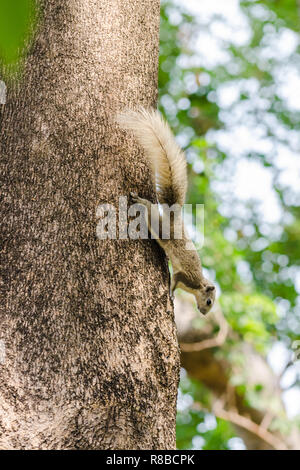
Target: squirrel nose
point(208, 302)
point(202, 310)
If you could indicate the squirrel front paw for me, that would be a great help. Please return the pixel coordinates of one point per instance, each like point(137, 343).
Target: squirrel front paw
point(171, 293)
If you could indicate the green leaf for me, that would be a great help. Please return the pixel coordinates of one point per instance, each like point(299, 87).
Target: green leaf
point(16, 23)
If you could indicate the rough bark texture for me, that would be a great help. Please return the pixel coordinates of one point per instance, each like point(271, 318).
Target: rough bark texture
point(91, 351)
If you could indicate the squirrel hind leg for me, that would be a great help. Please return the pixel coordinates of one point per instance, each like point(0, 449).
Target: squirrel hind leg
point(174, 282)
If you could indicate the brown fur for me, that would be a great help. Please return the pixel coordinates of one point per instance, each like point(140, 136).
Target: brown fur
point(164, 155)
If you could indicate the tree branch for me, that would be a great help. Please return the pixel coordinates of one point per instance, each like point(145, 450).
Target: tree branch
point(243, 422)
point(217, 341)
point(249, 425)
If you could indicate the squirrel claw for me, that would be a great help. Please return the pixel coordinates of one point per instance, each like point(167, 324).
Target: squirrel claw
point(134, 196)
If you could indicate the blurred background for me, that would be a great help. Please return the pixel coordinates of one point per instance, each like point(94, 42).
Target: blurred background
point(229, 85)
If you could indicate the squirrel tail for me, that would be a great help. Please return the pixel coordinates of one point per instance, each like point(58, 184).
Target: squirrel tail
point(167, 160)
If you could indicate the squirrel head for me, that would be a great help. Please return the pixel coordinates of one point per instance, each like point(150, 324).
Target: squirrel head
point(205, 296)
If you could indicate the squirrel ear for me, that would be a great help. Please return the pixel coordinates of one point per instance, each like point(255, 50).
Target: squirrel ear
point(210, 288)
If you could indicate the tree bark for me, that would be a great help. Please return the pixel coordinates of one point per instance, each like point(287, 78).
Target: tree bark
point(91, 355)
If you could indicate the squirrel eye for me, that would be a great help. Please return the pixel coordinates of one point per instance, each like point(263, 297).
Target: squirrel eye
point(208, 302)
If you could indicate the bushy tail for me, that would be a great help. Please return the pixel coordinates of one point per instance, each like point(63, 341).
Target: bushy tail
point(166, 158)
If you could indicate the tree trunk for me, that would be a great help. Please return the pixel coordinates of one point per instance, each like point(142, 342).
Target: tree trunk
point(90, 354)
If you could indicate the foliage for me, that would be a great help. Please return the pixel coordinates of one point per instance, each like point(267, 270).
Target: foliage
point(196, 428)
point(17, 19)
point(210, 102)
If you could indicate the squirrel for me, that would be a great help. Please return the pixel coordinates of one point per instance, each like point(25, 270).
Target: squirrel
point(169, 175)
